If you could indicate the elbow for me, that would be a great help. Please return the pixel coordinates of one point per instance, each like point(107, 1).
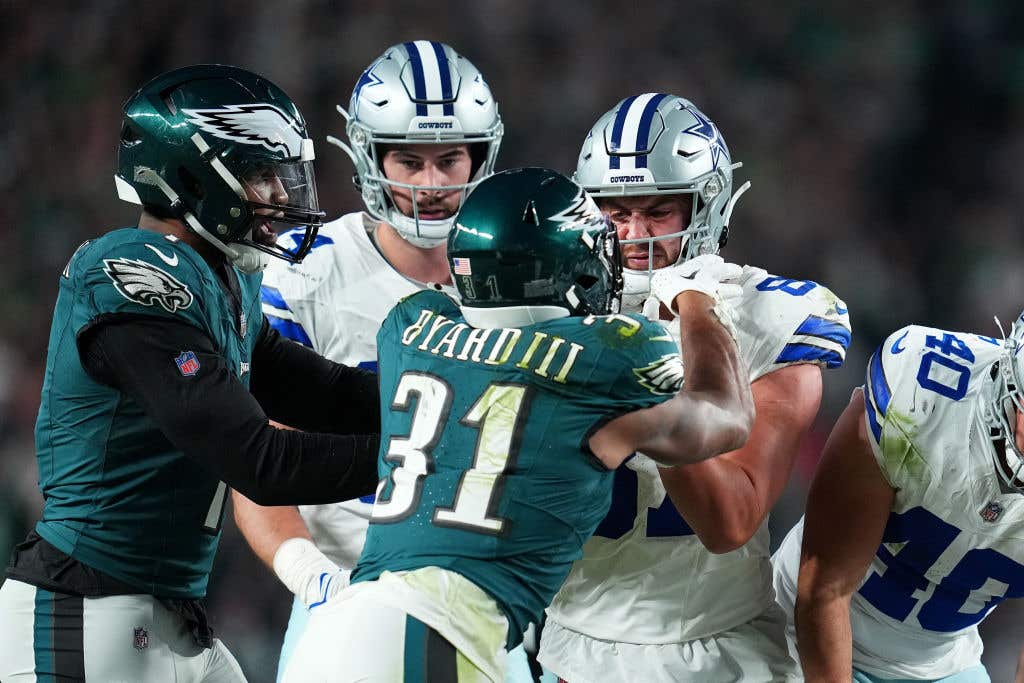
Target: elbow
point(727, 539)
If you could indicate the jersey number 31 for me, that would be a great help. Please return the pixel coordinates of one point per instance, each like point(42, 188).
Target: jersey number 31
point(495, 415)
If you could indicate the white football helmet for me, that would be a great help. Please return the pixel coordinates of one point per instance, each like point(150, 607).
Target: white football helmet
point(420, 92)
point(1001, 398)
point(654, 144)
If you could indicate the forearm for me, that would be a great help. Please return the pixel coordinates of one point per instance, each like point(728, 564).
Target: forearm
point(212, 418)
point(711, 357)
point(265, 528)
point(824, 638)
point(298, 387)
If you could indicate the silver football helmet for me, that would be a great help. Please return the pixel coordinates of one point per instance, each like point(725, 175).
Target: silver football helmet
point(1001, 398)
point(420, 92)
point(654, 144)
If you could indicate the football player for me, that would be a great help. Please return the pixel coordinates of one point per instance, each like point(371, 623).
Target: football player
point(915, 519)
point(505, 420)
point(161, 374)
point(675, 584)
point(423, 129)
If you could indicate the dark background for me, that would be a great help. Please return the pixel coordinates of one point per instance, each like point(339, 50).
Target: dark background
point(883, 140)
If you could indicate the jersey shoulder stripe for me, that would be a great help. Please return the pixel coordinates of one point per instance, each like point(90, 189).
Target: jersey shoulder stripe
point(877, 394)
point(289, 329)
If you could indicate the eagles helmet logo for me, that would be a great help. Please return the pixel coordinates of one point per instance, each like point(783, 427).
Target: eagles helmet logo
point(663, 376)
point(252, 124)
point(145, 284)
point(582, 214)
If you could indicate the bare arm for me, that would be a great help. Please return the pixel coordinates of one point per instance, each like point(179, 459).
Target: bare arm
point(1019, 678)
point(712, 414)
point(725, 499)
point(847, 509)
point(266, 528)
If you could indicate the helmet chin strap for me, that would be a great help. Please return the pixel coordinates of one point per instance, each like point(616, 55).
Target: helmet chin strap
point(247, 259)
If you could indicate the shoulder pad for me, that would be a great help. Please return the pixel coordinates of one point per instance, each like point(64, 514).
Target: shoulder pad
point(783, 322)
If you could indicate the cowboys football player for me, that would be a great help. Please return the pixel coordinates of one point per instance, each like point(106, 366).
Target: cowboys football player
point(423, 129)
point(468, 542)
point(914, 529)
point(161, 374)
point(675, 584)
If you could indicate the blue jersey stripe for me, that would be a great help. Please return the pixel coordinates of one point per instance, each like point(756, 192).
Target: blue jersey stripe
point(419, 83)
point(880, 393)
point(824, 328)
point(272, 296)
point(446, 78)
point(872, 413)
point(290, 329)
point(795, 353)
point(644, 129)
point(617, 126)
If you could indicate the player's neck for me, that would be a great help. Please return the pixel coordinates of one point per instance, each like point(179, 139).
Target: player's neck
point(170, 226)
point(416, 263)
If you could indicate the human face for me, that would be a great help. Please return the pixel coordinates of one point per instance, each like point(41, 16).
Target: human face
point(264, 186)
point(646, 217)
point(430, 166)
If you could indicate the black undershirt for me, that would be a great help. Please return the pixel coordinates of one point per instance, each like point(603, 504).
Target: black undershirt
point(211, 416)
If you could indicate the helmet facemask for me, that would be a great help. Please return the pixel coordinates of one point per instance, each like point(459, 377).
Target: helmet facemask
point(1002, 399)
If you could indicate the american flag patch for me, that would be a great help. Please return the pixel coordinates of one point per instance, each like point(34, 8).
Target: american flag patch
point(460, 266)
point(187, 362)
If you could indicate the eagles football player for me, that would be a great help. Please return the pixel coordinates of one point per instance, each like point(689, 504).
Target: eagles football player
point(161, 375)
point(504, 420)
point(423, 129)
point(915, 518)
point(675, 584)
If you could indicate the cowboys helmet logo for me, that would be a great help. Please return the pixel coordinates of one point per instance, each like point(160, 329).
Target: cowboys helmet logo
point(582, 214)
point(146, 284)
point(252, 124)
point(663, 376)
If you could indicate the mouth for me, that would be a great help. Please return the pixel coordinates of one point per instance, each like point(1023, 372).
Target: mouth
point(263, 233)
point(636, 261)
point(434, 213)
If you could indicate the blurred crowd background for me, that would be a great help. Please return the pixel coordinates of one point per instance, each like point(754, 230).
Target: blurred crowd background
point(883, 141)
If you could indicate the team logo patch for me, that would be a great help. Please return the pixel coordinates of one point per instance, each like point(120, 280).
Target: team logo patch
point(663, 376)
point(991, 512)
point(141, 638)
point(187, 363)
point(251, 124)
point(148, 285)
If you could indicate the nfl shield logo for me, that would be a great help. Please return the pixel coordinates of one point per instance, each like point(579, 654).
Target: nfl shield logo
point(991, 512)
point(187, 363)
point(141, 640)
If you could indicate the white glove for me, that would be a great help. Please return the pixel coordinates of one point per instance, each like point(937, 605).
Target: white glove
point(705, 274)
point(308, 573)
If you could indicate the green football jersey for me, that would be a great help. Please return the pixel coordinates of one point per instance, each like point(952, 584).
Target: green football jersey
point(118, 496)
point(485, 468)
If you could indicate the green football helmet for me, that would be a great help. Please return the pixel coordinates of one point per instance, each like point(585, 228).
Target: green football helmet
point(530, 245)
point(226, 152)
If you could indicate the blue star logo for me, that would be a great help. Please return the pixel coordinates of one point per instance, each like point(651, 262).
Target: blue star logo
point(367, 80)
point(707, 130)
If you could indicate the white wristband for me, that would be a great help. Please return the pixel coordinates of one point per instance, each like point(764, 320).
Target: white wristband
point(307, 572)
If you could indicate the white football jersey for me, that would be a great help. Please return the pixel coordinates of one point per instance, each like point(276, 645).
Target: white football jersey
point(334, 302)
point(953, 547)
point(644, 576)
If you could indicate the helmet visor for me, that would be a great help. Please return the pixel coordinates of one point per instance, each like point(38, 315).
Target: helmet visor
point(282, 197)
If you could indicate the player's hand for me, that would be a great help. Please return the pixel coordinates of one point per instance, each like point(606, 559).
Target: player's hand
point(707, 274)
point(308, 573)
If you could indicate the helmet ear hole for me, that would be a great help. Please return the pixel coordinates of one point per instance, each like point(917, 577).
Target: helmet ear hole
point(585, 280)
